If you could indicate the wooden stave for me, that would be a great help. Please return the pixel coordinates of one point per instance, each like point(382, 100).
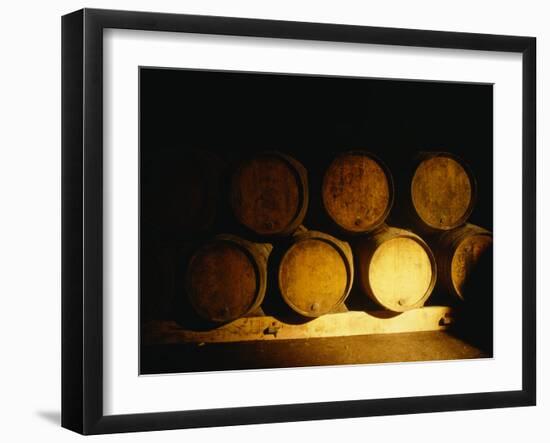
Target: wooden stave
point(446, 245)
point(364, 250)
point(300, 173)
point(391, 189)
point(420, 224)
point(344, 250)
point(257, 253)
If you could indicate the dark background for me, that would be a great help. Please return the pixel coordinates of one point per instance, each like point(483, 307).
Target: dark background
point(231, 115)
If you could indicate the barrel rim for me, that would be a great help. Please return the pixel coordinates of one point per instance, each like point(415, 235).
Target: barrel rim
point(348, 263)
point(391, 191)
point(422, 300)
point(473, 183)
point(300, 174)
point(245, 247)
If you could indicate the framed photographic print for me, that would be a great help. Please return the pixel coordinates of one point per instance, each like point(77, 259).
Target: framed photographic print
point(269, 221)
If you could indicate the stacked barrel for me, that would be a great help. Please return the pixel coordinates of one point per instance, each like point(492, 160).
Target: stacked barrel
point(312, 272)
point(443, 192)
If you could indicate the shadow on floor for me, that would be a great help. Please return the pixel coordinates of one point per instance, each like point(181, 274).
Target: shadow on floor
point(54, 417)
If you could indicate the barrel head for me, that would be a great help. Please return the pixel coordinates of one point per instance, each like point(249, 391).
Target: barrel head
point(222, 282)
point(313, 277)
point(267, 194)
point(442, 192)
point(180, 193)
point(466, 259)
point(401, 274)
point(357, 192)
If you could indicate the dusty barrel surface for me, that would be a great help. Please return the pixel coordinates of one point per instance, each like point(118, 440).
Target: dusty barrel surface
point(396, 269)
point(316, 273)
point(357, 191)
point(269, 193)
point(226, 278)
point(442, 191)
point(459, 253)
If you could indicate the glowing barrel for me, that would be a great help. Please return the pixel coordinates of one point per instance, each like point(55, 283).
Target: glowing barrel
point(396, 269)
point(316, 274)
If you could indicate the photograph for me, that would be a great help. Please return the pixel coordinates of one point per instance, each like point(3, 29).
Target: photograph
point(292, 220)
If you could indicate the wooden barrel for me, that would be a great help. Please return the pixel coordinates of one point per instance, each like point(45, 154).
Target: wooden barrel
point(458, 254)
point(226, 278)
point(442, 191)
point(269, 194)
point(357, 192)
point(180, 190)
point(396, 268)
point(316, 273)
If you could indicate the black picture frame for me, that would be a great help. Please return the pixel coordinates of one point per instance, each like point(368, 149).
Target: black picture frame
point(82, 220)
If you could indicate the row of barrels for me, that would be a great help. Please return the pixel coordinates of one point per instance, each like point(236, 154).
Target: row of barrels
point(269, 193)
point(227, 277)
